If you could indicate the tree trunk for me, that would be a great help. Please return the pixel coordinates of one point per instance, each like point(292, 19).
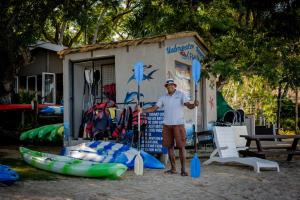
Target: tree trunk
point(296, 112)
point(278, 108)
point(97, 27)
point(61, 32)
point(7, 69)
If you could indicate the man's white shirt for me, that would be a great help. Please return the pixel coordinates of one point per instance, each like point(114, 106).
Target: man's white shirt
point(173, 106)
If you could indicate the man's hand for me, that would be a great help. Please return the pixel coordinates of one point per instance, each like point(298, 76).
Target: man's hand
point(191, 105)
point(196, 103)
point(139, 109)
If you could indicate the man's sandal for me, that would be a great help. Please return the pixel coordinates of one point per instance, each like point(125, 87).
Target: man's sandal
point(184, 174)
point(170, 171)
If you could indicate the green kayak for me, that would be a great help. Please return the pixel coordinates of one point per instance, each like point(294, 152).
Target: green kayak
point(71, 166)
point(51, 132)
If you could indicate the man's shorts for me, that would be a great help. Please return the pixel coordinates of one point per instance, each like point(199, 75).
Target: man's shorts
point(173, 133)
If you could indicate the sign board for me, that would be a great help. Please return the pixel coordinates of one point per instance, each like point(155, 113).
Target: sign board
point(152, 142)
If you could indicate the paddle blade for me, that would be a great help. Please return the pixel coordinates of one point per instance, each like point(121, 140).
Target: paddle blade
point(138, 165)
point(195, 167)
point(196, 70)
point(139, 71)
point(87, 73)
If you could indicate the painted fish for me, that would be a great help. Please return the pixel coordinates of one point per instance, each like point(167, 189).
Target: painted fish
point(149, 76)
point(145, 67)
point(145, 76)
point(130, 96)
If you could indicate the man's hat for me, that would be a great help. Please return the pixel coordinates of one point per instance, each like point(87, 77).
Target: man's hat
point(170, 81)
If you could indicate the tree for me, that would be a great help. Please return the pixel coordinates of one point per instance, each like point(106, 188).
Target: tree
point(75, 23)
point(20, 24)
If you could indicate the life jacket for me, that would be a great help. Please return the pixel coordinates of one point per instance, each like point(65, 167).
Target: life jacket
point(101, 120)
point(143, 118)
point(121, 128)
point(96, 120)
point(87, 123)
point(110, 90)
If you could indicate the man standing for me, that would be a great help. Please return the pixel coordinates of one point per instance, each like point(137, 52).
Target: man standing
point(173, 103)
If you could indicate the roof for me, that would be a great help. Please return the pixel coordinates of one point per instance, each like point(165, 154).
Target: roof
point(48, 45)
point(134, 42)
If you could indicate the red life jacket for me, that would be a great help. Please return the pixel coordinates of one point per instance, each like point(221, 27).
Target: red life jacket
point(143, 118)
point(121, 127)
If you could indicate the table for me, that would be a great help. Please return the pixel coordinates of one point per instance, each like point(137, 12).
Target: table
point(20, 106)
point(23, 108)
point(291, 150)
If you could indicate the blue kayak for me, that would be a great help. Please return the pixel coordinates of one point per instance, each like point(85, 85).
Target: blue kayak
point(58, 110)
point(7, 175)
point(110, 152)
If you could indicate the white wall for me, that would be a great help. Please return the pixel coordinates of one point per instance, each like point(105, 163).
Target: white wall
point(211, 100)
point(151, 54)
point(184, 50)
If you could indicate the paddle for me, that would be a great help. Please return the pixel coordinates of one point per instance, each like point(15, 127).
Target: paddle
point(88, 74)
point(96, 83)
point(84, 104)
point(195, 163)
point(138, 74)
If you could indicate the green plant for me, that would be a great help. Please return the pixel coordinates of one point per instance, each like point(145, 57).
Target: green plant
point(252, 94)
point(286, 132)
point(288, 124)
point(26, 96)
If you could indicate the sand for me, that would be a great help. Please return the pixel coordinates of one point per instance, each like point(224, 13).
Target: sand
point(216, 182)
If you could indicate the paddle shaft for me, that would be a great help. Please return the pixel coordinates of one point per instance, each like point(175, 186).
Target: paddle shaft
point(195, 163)
point(139, 118)
point(196, 120)
point(138, 162)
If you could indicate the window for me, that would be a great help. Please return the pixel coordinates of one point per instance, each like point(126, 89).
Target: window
point(31, 84)
point(183, 78)
point(48, 88)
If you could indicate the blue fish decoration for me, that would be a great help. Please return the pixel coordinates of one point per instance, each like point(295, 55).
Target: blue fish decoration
point(145, 77)
point(149, 76)
point(130, 96)
point(145, 67)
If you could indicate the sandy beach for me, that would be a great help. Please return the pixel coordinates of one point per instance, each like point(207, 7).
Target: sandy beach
point(216, 182)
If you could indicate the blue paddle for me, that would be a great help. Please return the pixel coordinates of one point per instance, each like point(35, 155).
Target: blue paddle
point(138, 75)
point(195, 163)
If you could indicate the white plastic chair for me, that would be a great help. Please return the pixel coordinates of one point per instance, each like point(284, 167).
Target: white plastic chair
point(227, 151)
point(239, 141)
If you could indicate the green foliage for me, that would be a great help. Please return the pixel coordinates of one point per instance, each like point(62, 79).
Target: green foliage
point(288, 108)
point(253, 95)
point(288, 124)
point(20, 25)
point(26, 97)
point(258, 39)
